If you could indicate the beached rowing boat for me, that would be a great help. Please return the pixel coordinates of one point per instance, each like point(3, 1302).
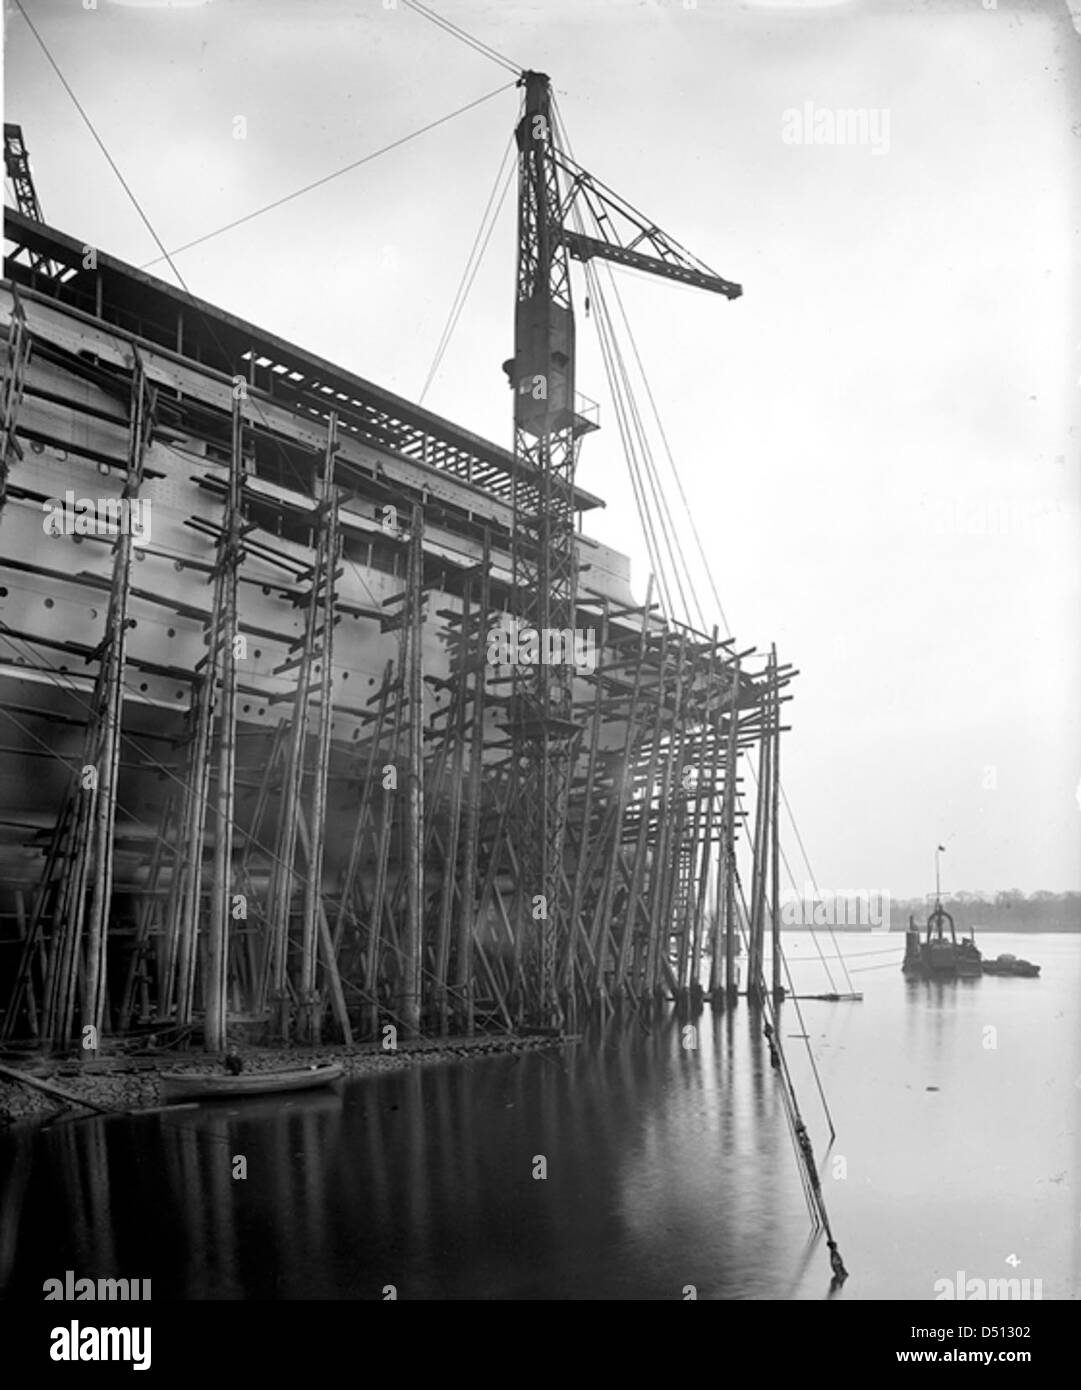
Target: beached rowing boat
point(206, 1085)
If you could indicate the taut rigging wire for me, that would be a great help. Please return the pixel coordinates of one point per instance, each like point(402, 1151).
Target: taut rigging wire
point(666, 522)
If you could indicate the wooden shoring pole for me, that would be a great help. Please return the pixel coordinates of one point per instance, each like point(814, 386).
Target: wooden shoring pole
point(578, 887)
point(24, 937)
point(651, 899)
point(640, 908)
point(171, 970)
point(324, 588)
point(775, 829)
point(665, 862)
point(61, 835)
point(702, 832)
point(499, 841)
point(504, 917)
point(186, 808)
point(148, 909)
point(327, 954)
point(583, 958)
point(188, 904)
point(500, 995)
point(760, 853)
point(451, 881)
point(218, 934)
point(727, 863)
point(370, 1012)
point(518, 983)
point(623, 783)
point(409, 999)
point(685, 861)
point(674, 879)
point(73, 916)
point(467, 910)
point(364, 813)
point(109, 707)
point(606, 845)
point(716, 935)
point(271, 765)
point(631, 915)
point(275, 983)
point(335, 991)
point(436, 776)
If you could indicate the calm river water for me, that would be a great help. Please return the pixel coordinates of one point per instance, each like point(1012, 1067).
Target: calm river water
point(957, 1114)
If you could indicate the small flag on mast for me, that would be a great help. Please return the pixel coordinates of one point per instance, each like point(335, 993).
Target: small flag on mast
point(942, 848)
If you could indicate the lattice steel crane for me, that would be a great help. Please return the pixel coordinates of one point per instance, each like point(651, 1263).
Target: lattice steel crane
point(547, 429)
point(17, 168)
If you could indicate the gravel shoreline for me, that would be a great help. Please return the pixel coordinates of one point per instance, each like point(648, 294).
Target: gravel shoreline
point(127, 1082)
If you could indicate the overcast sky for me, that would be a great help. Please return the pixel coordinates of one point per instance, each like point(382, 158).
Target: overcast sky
point(879, 440)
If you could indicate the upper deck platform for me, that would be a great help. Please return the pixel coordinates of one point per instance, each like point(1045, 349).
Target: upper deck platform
point(51, 262)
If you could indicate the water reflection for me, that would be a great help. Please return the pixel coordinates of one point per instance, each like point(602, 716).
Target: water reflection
point(663, 1144)
point(667, 1165)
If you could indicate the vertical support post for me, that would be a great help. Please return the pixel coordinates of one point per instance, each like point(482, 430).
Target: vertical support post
point(604, 906)
point(775, 821)
point(451, 878)
point(25, 938)
point(571, 943)
point(364, 815)
point(324, 588)
point(411, 943)
point(108, 713)
point(702, 835)
point(463, 954)
point(666, 848)
point(375, 929)
point(756, 963)
point(217, 955)
point(188, 901)
point(642, 843)
point(728, 841)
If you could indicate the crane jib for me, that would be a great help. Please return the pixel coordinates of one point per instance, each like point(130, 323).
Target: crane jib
point(584, 248)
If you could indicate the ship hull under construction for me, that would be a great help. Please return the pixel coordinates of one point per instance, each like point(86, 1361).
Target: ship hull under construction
point(255, 765)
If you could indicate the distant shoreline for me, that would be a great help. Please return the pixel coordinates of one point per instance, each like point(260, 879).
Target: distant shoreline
point(899, 927)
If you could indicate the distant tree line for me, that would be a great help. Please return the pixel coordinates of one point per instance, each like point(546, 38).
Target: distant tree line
point(1010, 910)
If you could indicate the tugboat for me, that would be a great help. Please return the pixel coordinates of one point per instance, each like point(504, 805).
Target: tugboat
point(939, 956)
point(1010, 965)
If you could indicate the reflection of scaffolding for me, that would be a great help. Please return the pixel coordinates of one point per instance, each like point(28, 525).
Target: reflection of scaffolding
point(359, 864)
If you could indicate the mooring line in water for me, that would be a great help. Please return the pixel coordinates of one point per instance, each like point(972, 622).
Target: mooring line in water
point(795, 1000)
point(806, 1160)
point(804, 1147)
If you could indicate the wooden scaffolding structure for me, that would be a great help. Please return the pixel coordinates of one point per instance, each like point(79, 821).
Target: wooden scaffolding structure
point(324, 864)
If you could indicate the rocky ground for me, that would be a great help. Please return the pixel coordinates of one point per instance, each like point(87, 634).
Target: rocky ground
point(126, 1082)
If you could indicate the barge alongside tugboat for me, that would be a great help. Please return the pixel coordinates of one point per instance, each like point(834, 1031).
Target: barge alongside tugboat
point(1010, 965)
point(937, 957)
